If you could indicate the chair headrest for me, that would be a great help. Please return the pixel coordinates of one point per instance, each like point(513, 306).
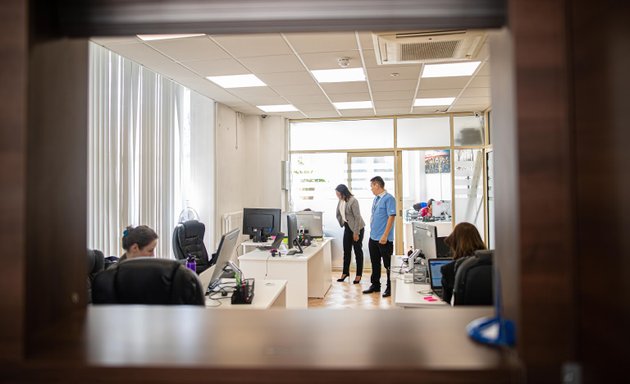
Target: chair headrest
point(485, 255)
point(147, 280)
point(194, 228)
point(95, 261)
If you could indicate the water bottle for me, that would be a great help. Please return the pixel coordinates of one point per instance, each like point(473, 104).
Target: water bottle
point(191, 263)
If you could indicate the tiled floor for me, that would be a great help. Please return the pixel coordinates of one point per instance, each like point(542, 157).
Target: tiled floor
point(346, 295)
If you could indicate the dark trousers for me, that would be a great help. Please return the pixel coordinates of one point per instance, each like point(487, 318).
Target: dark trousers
point(377, 252)
point(348, 244)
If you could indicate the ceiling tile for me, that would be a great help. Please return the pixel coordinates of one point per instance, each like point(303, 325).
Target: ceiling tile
point(304, 90)
point(476, 92)
point(258, 96)
point(322, 42)
point(393, 85)
point(357, 112)
point(484, 70)
point(392, 111)
point(314, 106)
point(221, 67)
point(444, 82)
point(345, 97)
point(393, 104)
point(429, 110)
point(141, 53)
point(393, 95)
point(403, 73)
point(352, 87)
point(480, 82)
point(448, 92)
point(468, 108)
point(328, 60)
point(253, 45)
point(473, 101)
point(322, 114)
point(109, 41)
point(287, 78)
point(273, 64)
point(366, 40)
point(292, 115)
point(191, 48)
point(309, 99)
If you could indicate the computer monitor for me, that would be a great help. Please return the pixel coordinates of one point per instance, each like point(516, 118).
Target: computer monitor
point(441, 208)
point(311, 221)
point(425, 239)
point(225, 251)
point(292, 229)
point(259, 223)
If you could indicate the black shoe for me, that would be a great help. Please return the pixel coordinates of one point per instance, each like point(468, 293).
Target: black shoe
point(372, 289)
point(387, 293)
point(357, 280)
point(342, 278)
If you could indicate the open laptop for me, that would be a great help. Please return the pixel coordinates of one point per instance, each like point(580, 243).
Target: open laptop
point(435, 274)
point(276, 243)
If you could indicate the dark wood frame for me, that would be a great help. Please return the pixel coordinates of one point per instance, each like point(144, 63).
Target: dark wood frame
point(570, 83)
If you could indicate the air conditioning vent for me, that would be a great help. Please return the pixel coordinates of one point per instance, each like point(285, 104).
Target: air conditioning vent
point(427, 46)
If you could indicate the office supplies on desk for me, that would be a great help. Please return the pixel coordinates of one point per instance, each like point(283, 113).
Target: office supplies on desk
point(275, 245)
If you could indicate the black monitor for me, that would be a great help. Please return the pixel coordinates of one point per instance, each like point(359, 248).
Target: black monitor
point(260, 223)
point(425, 239)
point(225, 251)
point(292, 230)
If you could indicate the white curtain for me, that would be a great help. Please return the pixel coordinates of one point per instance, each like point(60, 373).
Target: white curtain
point(139, 151)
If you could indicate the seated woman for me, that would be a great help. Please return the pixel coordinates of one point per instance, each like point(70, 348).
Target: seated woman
point(463, 242)
point(428, 210)
point(138, 241)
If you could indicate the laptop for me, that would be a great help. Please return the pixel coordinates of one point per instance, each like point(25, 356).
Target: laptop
point(435, 274)
point(276, 243)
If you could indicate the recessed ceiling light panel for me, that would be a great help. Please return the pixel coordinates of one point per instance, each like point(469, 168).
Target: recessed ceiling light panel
point(354, 105)
point(237, 81)
point(433, 102)
point(166, 37)
point(339, 75)
point(277, 108)
point(451, 69)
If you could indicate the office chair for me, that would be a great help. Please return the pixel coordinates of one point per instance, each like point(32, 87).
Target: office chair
point(95, 264)
point(474, 280)
point(147, 280)
point(188, 240)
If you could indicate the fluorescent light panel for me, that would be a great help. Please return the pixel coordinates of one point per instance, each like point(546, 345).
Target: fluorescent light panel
point(277, 108)
point(450, 70)
point(353, 105)
point(433, 102)
point(339, 75)
point(237, 81)
point(166, 37)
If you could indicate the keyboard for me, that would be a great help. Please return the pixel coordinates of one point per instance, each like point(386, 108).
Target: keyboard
point(265, 247)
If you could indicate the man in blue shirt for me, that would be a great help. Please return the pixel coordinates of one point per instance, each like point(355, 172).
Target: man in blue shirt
point(381, 244)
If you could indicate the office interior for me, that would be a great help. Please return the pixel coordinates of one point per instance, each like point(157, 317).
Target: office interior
point(519, 231)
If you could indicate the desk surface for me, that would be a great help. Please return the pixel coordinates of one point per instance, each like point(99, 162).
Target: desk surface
point(409, 295)
point(263, 255)
point(266, 292)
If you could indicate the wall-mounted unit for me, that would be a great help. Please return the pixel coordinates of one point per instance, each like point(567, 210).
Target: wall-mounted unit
point(427, 46)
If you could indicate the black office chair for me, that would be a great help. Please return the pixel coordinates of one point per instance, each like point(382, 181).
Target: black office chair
point(95, 264)
point(188, 240)
point(474, 280)
point(147, 280)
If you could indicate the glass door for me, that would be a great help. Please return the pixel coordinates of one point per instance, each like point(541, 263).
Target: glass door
point(361, 168)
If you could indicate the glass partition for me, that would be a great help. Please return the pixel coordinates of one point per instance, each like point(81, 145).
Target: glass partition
point(469, 206)
point(342, 134)
point(468, 130)
point(423, 132)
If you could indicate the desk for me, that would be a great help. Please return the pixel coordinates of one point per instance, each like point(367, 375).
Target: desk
point(406, 295)
point(250, 245)
point(307, 274)
point(267, 294)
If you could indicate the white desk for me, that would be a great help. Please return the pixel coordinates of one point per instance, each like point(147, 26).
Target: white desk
point(307, 274)
point(267, 294)
point(249, 245)
point(407, 295)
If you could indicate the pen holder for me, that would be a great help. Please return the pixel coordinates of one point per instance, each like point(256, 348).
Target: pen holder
point(244, 293)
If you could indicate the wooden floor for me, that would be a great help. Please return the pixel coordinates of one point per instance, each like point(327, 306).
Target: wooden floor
point(350, 296)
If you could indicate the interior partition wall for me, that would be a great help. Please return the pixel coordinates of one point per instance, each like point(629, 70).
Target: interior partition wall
point(422, 157)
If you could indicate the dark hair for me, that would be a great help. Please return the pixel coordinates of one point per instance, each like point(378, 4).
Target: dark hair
point(345, 192)
point(141, 235)
point(430, 202)
point(464, 240)
point(378, 180)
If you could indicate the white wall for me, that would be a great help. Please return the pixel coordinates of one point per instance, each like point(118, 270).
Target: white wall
point(249, 151)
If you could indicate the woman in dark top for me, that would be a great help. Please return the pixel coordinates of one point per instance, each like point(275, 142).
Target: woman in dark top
point(350, 219)
point(138, 241)
point(463, 242)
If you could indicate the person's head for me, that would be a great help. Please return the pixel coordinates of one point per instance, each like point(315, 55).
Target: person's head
point(139, 241)
point(377, 185)
point(343, 193)
point(464, 240)
point(430, 203)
